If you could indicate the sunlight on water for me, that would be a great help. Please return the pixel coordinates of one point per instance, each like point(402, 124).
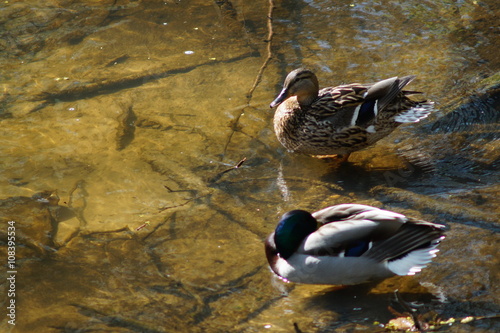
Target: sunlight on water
point(125, 128)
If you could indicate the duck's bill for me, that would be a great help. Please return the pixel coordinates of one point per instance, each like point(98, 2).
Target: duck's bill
point(281, 97)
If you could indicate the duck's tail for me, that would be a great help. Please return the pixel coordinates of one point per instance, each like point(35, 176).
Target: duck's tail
point(414, 114)
point(415, 260)
point(409, 250)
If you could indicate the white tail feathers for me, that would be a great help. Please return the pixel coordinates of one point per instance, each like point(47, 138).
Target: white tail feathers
point(414, 261)
point(416, 113)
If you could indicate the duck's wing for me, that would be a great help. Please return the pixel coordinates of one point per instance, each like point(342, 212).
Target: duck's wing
point(331, 99)
point(356, 211)
point(412, 235)
point(385, 91)
point(358, 104)
point(333, 239)
point(351, 229)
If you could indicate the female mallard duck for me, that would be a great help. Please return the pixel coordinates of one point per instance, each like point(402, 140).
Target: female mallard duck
point(343, 119)
point(354, 244)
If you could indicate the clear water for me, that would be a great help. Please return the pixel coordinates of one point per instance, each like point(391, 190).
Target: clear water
point(129, 113)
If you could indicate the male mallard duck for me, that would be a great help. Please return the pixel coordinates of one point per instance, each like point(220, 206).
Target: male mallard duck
point(354, 244)
point(343, 119)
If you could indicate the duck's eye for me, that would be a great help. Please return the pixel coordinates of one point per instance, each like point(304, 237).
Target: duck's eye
point(298, 79)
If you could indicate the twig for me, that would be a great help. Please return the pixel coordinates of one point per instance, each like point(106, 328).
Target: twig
point(240, 163)
point(126, 228)
point(179, 205)
point(145, 224)
point(219, 175)
point(269, 39)
point(258, 78)
point(168, 188)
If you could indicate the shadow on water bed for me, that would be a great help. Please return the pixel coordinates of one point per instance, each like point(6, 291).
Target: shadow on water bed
point(141, 171)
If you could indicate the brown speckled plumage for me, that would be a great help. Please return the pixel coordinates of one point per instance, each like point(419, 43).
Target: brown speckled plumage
point(343, 119)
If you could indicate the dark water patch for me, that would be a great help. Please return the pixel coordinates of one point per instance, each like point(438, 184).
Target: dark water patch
point(482, 108)
point(448, 210)
point(365, 305)
point(353, 177)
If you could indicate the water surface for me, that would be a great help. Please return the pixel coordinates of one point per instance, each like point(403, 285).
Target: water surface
point(120, 118)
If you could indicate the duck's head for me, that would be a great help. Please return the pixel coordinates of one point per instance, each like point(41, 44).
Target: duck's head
point(291, 230)
point(302, 83)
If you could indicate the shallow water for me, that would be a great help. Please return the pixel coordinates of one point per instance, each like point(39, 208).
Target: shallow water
point(122, 122)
